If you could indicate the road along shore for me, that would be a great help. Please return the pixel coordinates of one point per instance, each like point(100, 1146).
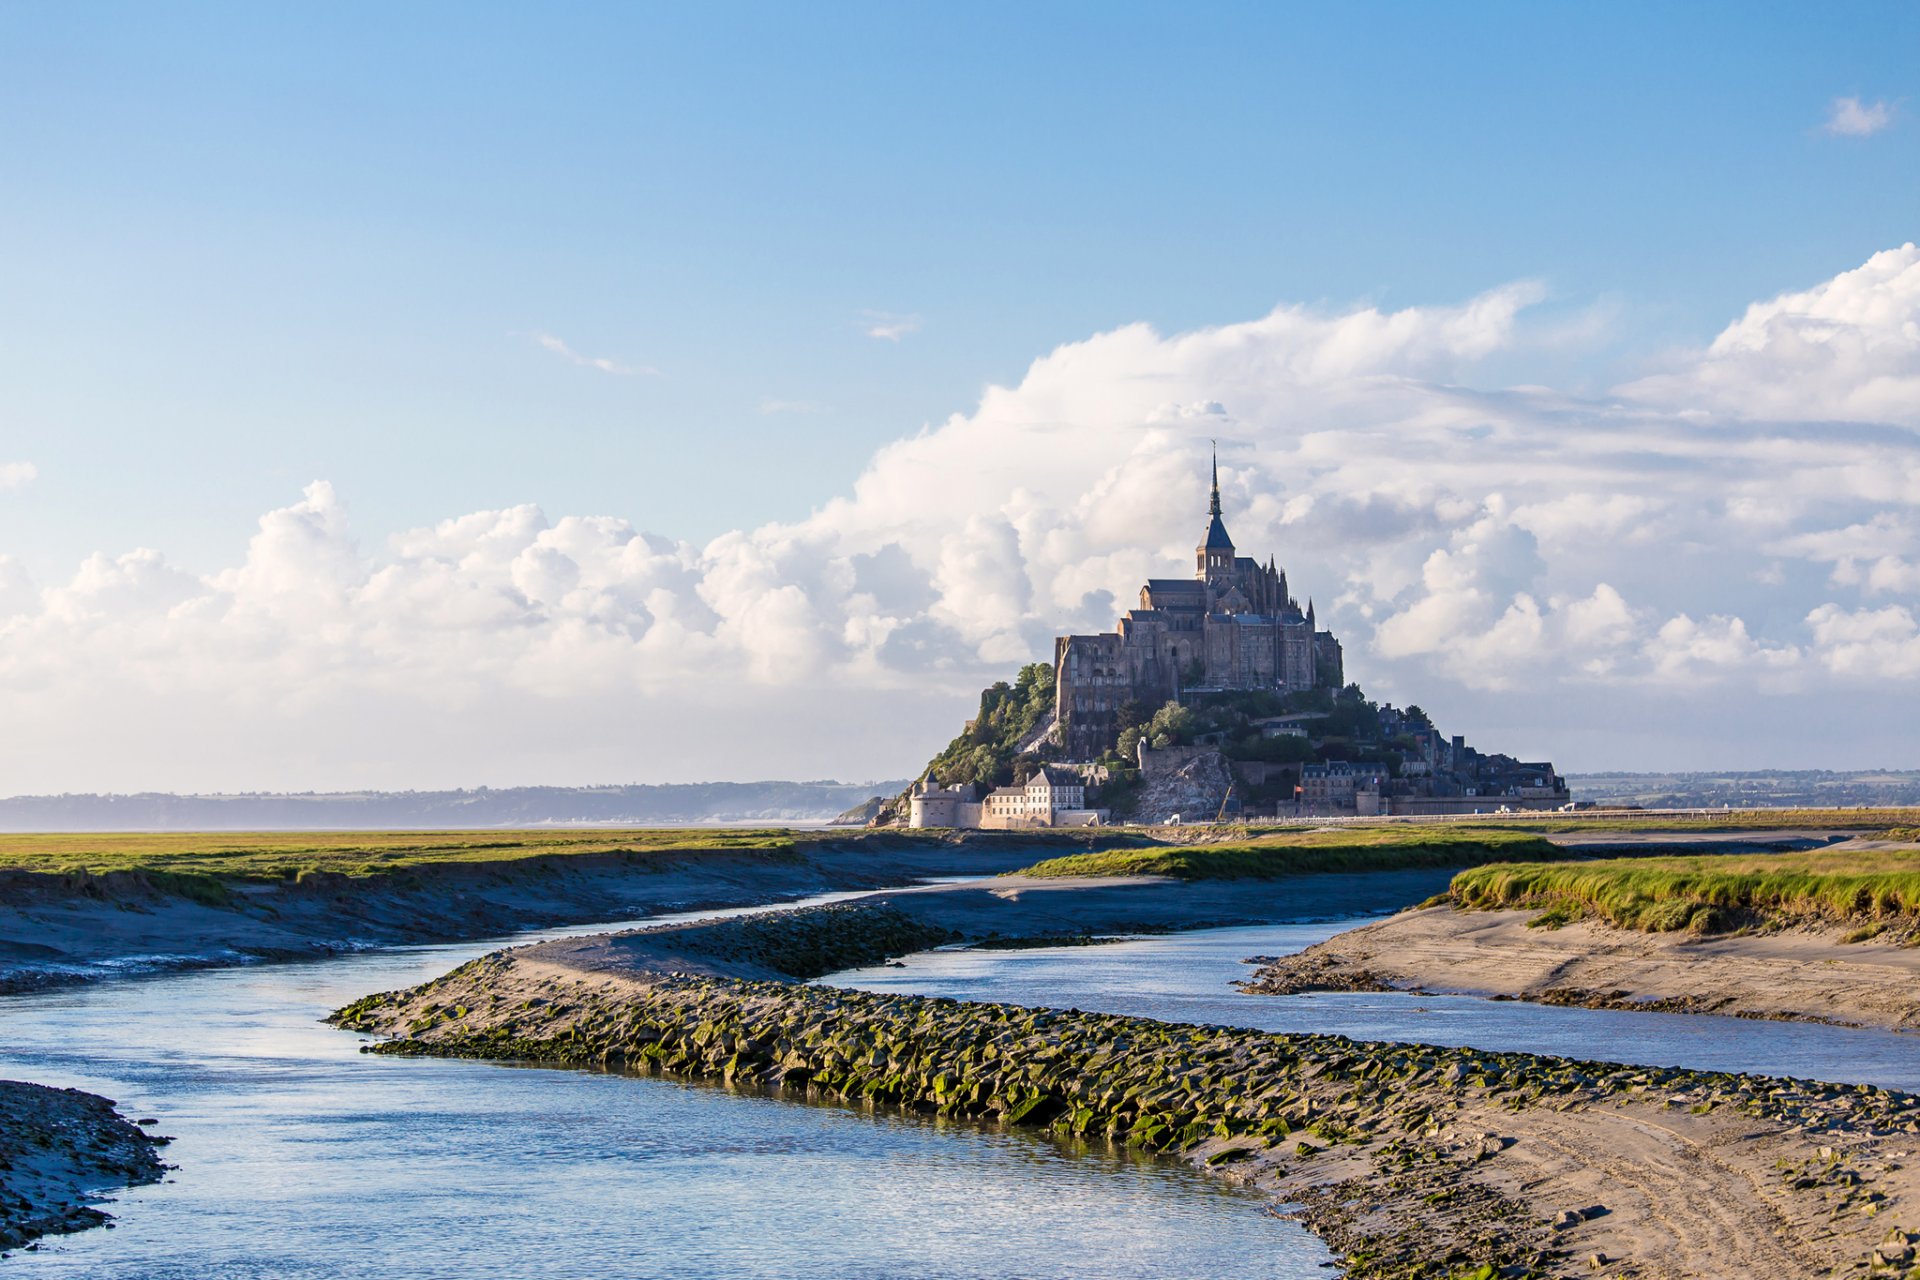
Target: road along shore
point(1409, 1160)
point(59, 1149)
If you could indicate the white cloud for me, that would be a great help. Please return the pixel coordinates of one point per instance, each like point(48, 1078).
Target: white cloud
point(887, 326)
point(549, 342)
point(1847, 349)
point(1744, 521)
point(1851, 118)
point(1690, 651)
point(1877, 645)
point(17, 475)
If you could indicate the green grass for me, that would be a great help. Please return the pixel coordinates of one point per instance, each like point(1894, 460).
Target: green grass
point(199, 863)
point(1388, 848)
point(1708, 893)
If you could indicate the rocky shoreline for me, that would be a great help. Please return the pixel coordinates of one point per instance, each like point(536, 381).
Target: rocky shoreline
point(1410, 1160)
point(60, 1148)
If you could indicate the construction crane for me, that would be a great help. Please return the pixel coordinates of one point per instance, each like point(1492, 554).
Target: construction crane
point(1221, 816)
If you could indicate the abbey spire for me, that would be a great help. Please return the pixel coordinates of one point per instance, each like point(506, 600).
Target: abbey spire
point(1213, 558)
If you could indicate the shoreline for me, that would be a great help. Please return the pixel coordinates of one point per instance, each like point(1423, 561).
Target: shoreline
point(62, 928)
point(60, 1151)
point(61, 925)
point(1806, 972)
point(1401, 1157)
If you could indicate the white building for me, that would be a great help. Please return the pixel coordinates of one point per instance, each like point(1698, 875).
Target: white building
point(1050, 798)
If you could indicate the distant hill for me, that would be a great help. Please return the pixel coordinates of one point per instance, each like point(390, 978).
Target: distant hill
point(1765, 788)
point(637, 805)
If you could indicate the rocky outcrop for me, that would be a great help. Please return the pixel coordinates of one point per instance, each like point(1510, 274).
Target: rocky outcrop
point(1189, 783)
point(58, 1149)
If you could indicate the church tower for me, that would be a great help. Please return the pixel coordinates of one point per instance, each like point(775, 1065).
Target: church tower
point(1213, 558)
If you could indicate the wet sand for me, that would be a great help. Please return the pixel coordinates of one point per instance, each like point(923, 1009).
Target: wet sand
point(1806, 972)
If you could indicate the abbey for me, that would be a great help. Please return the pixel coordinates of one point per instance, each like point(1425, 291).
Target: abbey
point(1233, 626)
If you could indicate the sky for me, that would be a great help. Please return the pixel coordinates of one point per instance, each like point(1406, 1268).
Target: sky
point(467, 394)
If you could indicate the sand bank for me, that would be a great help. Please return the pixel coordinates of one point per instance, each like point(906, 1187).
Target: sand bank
point(1804, 972)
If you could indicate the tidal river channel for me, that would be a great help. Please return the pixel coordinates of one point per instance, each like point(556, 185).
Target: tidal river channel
point(301, 1157)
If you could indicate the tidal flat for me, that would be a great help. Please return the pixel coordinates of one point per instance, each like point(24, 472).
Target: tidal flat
point(1515, 1151)
point(1410, 1160)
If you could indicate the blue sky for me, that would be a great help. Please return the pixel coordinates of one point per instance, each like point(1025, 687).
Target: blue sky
point(690, 267)
point(250, 245)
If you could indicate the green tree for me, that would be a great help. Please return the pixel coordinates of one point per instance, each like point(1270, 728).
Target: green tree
point(984, 753)
point(1171, 724)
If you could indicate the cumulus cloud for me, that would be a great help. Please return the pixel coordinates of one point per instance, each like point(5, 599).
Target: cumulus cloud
point(548, 342)
point(17, 475)
point(1847, 349)
point(1872, 644)
point(1743, 521)
point(1851, 118)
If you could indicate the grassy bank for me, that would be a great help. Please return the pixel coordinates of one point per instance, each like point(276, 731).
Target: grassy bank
point(1709, 893)
point(263, 857)
point(1386, 848)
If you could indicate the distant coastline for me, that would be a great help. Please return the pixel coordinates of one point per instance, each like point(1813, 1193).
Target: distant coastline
point(1752, 789)
point(774, 803)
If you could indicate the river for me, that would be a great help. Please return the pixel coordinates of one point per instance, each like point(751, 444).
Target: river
point(301, 1157)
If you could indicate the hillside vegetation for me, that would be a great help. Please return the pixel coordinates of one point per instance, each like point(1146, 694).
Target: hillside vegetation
point(1707, 894)
point(1308, 852)
point(984, 752)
